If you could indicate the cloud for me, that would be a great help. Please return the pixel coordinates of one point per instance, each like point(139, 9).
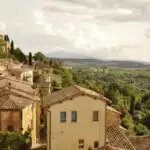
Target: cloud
point(104, 28)
point(147, 33)
point(113, 10)
point(2, 27)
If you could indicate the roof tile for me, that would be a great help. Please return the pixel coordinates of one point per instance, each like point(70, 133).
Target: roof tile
point(70, 92)
point(117, 139)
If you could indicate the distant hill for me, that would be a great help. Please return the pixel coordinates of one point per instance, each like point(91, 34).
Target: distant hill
point(73, 59)
point(65, 54)
point(87, 62)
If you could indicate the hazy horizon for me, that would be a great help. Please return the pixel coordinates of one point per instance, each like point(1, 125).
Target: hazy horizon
point(106, 29)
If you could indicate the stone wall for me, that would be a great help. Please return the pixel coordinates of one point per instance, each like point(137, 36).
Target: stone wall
point(10, 119)
point(112, 118)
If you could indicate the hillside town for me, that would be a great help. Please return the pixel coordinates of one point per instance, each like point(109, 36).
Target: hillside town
point(71, 117)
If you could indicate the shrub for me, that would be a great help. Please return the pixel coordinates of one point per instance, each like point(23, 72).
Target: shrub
point(14, 140)
point(127, 122)
point(140, 129)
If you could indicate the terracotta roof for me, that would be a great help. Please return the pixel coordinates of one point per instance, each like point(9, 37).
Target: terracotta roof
point(70, 92)
point(15, 94)
point(117, 139)
point(10, 101)
point(112, 109)
point(140, 142)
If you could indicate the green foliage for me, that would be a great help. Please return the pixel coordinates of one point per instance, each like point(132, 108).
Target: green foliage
point(57, 71)
point(39, 56)
point(146, 120)
point(6, 38)
point(55, 86)
point(140, 129)
point(138, 116)
point(132, 105)
point(127, 122)
point(19, 55)
point(30, 58)
point(66, 77)
point(2, 54)
point(12, 48)
point(13, 140)
point(129, 91)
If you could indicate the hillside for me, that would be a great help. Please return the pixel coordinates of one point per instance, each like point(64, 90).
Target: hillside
point(88, 62)
point(129, 91)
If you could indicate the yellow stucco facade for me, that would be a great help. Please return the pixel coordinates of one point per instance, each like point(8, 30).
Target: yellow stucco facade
point(29, 120)
point(67, 135)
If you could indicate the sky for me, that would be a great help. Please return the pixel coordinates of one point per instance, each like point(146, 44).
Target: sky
point(107, 29)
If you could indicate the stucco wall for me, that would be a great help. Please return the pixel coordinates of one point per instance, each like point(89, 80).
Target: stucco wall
point(29, 120)
point(112, 118)
point(26, 74)
point(38, 112)
point(66, 135)
point(10, 118)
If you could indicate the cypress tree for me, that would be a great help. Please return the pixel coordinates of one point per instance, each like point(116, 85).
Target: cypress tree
point(132, 105)
point(12, 48)
point(30, 58)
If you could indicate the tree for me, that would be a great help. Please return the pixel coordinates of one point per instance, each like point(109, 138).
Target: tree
point(132, 105)
point(12, 48)
point(39, 56)
point(127, 122)
point(6, 38)
point(15, 140)
point(66, 77)
point(30, 58)
point(19, 55)
point(140, 129)
point(2, 54)
point(146, 121)
point(56, 86)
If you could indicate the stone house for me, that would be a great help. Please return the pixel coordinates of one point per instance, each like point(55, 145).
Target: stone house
point(78, 118)
point(19, 107)
point(112, 117)
point(73, 114)
point(24, 74)
point(45, 84)
point(6, 64)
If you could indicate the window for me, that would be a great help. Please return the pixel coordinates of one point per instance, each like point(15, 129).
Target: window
point(96, 144)
point(74, 116)
point(81, 143)
point(62, 116)
point(95, 115)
